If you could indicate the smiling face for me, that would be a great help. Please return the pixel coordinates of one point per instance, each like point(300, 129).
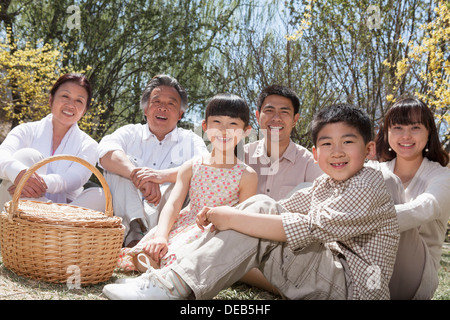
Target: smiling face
point(341, 151)
point(277, 118)
point(224, 132)
point(408, 141)
point(163, 111)
point(68, 104)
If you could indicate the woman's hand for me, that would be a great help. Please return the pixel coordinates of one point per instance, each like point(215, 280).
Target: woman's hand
point(157, 248)
point(34, 187)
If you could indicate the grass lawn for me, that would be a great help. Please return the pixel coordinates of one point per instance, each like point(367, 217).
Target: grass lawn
point(13, 287)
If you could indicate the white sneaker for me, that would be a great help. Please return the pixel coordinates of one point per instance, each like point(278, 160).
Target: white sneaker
point(126, 280)
point(149, 286)
point(144, 261)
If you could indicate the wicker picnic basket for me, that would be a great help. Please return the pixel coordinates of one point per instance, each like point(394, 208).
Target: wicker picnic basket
point(57, 242)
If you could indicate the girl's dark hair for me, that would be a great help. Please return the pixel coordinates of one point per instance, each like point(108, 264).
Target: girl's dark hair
point(407, 111)
point(77, 78)
point(226, 104)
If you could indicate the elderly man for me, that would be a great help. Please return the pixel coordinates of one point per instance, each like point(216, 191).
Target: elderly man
point(141, 160)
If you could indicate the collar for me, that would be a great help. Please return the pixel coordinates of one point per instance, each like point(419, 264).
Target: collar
point(171, 136)
point(289, 153)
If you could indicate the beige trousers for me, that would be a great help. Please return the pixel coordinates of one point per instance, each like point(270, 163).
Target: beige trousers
point(219, 259)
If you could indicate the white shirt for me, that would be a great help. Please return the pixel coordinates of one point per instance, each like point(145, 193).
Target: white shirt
point(137, 141)
point(64, 179)
point(425, 203)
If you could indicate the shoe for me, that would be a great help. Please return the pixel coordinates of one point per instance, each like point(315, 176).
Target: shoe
point(126, 280)
point(150, 286)
point(144, 262)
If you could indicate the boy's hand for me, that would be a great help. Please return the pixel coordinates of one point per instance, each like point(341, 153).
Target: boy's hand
point(219, 217)
point(202, 219)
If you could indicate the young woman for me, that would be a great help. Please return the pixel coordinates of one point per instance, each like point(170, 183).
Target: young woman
point(214, 180)
point(411, 154)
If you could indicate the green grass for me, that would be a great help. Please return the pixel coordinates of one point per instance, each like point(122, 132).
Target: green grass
point(13, 287)
point(443, 291)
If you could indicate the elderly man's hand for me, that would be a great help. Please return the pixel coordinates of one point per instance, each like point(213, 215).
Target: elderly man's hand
point(142, 175)
point(151, 192)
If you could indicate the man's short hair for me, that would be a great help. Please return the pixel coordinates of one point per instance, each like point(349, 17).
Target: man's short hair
point(279, 91)
point(163, 80)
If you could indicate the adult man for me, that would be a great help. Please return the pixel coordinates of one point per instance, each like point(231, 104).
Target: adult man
point(281, 164)
point(141, 161)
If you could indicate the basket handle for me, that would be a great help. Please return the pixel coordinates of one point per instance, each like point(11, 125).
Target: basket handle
point(37, 165)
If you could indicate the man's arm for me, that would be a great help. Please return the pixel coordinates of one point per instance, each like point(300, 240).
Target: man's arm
point(141, 175)
point(117, 162)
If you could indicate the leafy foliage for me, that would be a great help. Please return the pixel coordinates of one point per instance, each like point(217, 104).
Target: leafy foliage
point(327, 51)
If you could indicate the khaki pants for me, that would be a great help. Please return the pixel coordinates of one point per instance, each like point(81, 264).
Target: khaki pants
point(219, 259)
point(414, 276)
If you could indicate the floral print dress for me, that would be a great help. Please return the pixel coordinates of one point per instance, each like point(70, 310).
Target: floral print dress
point(209, 187)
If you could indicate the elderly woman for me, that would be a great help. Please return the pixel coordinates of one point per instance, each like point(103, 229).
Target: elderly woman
point(57, 133)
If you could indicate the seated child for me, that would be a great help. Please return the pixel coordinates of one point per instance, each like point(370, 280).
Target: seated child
point(215, 179)
point(334, 240)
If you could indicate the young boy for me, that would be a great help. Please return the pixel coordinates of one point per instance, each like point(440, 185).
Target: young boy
point(334, 240)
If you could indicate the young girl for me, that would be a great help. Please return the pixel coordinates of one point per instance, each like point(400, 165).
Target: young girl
point(408, 144)
point(213, 180)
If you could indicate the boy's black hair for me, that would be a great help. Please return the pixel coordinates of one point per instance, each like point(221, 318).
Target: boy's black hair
point(346, 113)
point(226, 104)
point(279, 91)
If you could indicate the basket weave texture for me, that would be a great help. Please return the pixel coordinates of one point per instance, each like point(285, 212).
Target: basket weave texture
point(59, 242)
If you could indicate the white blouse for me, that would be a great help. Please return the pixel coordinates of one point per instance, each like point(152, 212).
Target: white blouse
point(424, 204)
point(64, 179)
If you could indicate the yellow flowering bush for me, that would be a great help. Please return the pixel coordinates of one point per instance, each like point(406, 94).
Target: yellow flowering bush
point(432, 58)
point(305, 23)
point(26, 77)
